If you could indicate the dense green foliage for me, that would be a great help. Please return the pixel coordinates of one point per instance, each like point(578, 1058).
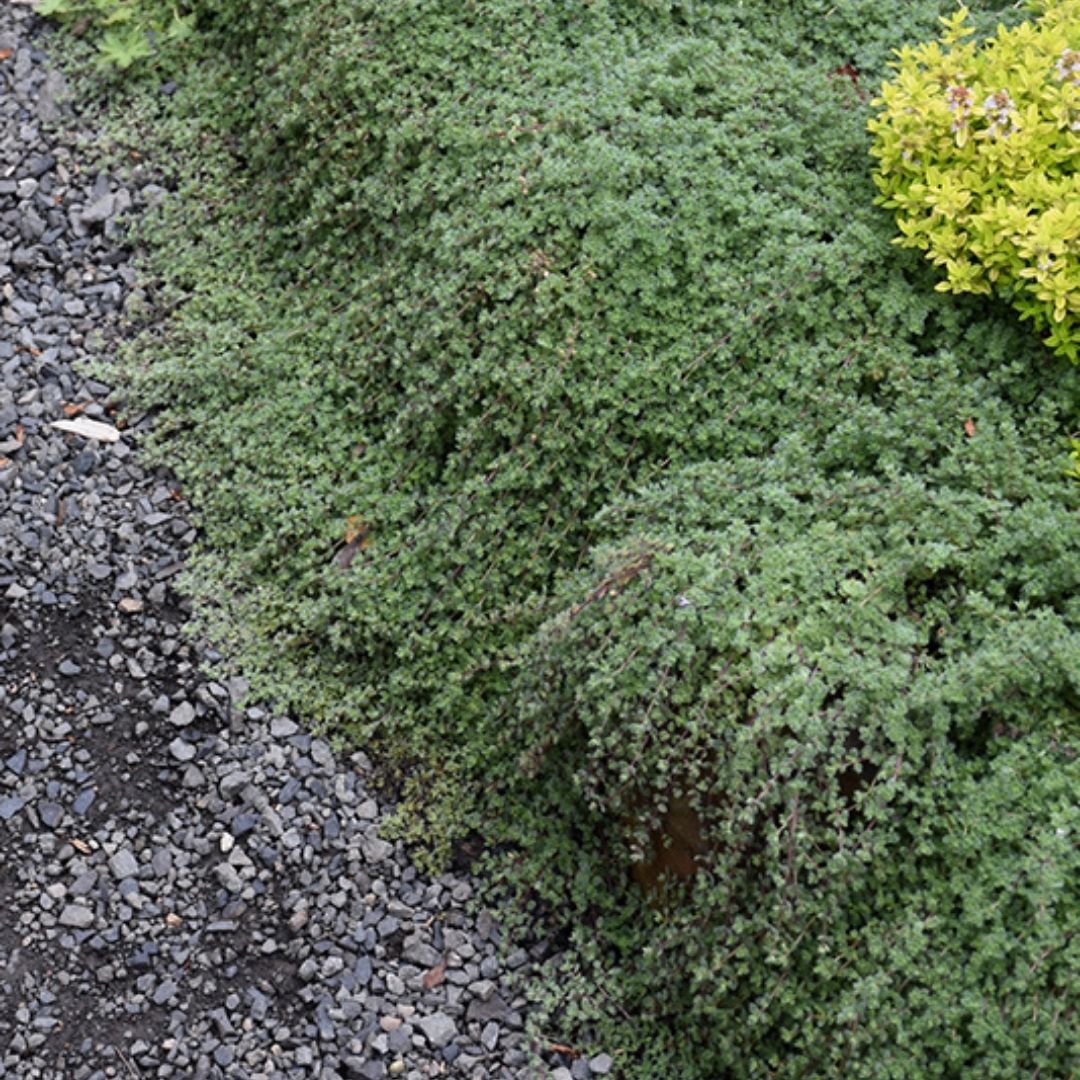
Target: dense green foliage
point(979, 145)
point(857, 680)
point(564, 423)
point(126, 32)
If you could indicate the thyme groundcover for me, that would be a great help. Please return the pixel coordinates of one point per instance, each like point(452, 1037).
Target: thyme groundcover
point(565, 426)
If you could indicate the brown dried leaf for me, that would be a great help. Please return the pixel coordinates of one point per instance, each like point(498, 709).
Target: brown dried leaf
point(355, 529)
point(562, 1048)
point(72, 409)
point(80, 845)
point(435, 976)
point(356, 540)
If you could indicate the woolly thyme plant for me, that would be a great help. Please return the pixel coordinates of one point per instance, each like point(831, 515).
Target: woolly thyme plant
point(562, 429)
point(978, 146)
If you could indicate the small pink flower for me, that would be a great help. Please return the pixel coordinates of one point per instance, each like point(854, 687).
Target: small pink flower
point(1067, 68)
point(1000, 110)
point(960, 98)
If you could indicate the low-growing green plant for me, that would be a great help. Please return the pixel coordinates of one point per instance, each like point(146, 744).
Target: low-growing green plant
point(847, 677)
point(564, 426)
point(978, 144)
point(128, 32)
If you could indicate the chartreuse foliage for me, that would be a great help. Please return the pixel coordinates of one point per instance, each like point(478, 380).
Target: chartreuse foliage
point(979, 154)
point(564, 424)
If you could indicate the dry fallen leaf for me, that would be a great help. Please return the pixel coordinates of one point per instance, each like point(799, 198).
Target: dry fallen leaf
point(88, 429)
point(435, 976)
point(969, 427)
point(355, 529)
point(6, 54)
point(81, 845)
point(562, 1048)
point(356, 539)
point(71, 409)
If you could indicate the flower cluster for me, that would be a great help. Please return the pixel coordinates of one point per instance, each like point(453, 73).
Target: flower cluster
point(1067, 68)
point(1000, 110)
point(960, 99)
point(981, 167)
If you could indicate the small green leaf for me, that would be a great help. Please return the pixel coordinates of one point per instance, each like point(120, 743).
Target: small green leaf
point(122, 48)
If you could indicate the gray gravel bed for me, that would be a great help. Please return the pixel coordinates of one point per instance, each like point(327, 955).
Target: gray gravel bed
point(189, 887)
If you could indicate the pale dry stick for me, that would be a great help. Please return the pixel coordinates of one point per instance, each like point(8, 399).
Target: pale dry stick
point(127, 1063)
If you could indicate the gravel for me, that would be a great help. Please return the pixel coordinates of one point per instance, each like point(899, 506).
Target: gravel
point(191, 886)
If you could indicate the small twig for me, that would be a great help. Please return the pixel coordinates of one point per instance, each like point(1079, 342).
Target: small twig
point(127, 1064)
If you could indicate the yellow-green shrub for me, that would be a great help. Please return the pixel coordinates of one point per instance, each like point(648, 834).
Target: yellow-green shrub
point(978, 147)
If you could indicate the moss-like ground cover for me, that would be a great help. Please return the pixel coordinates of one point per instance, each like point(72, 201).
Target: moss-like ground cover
point(564, 424)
